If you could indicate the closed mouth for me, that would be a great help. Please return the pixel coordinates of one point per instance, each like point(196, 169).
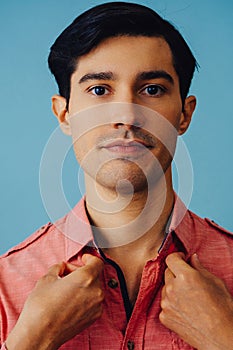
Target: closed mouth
point(123, 146)
point(125, 143)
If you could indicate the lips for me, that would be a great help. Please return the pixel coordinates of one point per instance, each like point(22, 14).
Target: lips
point(125, 146)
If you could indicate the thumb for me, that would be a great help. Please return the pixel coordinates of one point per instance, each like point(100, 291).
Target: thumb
point(54, 272)
point(57, 270)
point(196, 264)
point(93, 262)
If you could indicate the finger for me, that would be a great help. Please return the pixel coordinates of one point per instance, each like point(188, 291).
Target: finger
point(196, 264)
point(90, 271)
point(57, 270)
point(69, 268)
point(168, 276)
point(54, 272)
point(163, 293)
point(176, 263)
point(94, 264)
point(164, 304)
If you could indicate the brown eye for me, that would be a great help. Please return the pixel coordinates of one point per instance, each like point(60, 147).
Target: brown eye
point(153, 90)
point(99, 90)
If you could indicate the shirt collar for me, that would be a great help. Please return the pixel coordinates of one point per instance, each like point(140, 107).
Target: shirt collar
point(182, 224)
point(78, 231)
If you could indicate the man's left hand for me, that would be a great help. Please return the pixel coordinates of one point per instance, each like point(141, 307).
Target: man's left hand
point(196, 305)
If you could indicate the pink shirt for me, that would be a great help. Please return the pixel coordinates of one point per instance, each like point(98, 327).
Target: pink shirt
point(23, 265)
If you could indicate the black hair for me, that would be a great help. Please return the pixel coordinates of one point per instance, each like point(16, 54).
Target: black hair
point(110, 20)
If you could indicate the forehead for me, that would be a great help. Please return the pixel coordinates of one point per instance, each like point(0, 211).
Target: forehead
point(128, 54)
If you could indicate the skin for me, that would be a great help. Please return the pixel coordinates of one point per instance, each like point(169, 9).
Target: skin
point(123, 57)
point(196, 305)
point(78, 294)
point(122, 62)
point(126, 58)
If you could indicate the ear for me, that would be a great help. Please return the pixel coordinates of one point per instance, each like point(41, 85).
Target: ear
point(60, 111)
point(186, 116)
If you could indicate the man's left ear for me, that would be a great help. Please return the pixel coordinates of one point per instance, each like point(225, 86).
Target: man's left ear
point(186, 116)
point(59, 109)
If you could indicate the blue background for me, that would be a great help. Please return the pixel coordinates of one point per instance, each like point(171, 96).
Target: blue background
point(27, 30)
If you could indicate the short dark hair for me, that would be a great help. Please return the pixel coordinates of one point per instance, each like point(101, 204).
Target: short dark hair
point(111, 20)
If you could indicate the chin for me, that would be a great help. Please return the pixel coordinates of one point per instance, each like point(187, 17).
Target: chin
point(127, 177)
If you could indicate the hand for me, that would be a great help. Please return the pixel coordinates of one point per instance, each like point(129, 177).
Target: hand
point(196, 305)
point(64, 302)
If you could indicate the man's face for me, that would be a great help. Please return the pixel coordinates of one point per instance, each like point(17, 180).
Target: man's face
point(123, 73)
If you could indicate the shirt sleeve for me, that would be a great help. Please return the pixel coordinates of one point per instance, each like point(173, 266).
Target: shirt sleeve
point(3, 347)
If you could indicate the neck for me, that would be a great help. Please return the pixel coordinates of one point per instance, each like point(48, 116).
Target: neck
point(130, 222)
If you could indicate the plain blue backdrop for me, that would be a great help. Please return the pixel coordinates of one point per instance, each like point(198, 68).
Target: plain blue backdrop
point(27, 30)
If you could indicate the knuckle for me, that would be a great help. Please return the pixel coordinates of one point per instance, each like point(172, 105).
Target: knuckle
point(163, 304)
point(182, 276)
point(169, 290)
point(170, 293)
point(162, 317)
point(166, 304)
point(87, 279)
point(100, 294)
point(187, 278)
point(97, 296)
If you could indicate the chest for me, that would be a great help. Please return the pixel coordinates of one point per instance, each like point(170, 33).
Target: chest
point(133, 281)
point(124, 327)
point(133, 287)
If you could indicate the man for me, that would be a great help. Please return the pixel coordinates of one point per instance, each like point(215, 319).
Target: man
point(132, 268)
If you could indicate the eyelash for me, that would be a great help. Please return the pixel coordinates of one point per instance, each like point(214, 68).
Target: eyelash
point(158, 87)
point(95, 87)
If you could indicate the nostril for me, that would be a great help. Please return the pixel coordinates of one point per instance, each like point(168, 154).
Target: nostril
point(117, 125)
point(127, 125)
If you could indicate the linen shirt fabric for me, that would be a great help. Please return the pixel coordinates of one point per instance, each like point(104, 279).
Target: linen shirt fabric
point(117, 329)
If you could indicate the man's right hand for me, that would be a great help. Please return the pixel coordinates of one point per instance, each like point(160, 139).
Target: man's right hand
point(64, 302)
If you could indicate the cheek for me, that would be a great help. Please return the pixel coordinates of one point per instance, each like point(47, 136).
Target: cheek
point(82, 148)
point(85, 149)
point(79, 150)
point(173, 115)
point(175, 111)
point(171, 110)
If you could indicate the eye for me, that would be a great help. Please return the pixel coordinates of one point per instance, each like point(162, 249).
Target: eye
point(153, 90)
point(98, 90)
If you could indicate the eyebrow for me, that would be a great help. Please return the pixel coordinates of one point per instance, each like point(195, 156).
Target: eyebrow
point(155, 74)
point(97, 76)
point(147, 75)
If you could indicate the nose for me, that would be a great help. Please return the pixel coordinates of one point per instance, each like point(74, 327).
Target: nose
point(128, 116)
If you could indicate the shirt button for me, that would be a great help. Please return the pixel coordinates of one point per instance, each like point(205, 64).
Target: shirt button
point(130, 345)
point(112, 283)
